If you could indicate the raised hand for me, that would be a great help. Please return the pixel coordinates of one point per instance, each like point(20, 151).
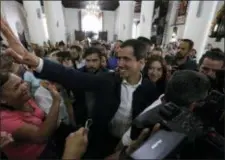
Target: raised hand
point(16, 50)
point(13, 41)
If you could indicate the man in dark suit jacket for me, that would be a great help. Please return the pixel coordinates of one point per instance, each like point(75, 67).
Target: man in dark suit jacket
point(84, 102)
point(113, 110)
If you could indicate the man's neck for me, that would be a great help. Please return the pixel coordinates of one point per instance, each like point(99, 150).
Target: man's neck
point(132, 80)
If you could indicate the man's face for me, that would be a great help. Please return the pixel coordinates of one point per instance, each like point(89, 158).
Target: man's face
point(93, 62)
point(74, 53)
point(209, 67)
point(183, 50)
point(128, 65)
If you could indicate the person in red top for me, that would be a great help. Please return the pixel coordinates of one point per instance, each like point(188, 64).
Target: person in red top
point(24, 120)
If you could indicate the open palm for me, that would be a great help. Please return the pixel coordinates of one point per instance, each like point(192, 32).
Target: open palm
point(16, 50)
point(13, 41)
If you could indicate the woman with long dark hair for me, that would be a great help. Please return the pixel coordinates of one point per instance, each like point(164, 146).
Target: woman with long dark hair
point(155, 70)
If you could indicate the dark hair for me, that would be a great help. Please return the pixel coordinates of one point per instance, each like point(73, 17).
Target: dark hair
point(186, 87)
point(216, 50)
point(61, 43)
point(218, 56)
point(78, 48)
point(190, 43)
point(92, 50)
point(63, 55)
point(139, 48)
point(159, 59)
point(169, 59)
point(145, 40)
point(4, 77)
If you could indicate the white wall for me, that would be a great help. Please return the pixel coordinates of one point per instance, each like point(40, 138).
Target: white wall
point(198, 28)
point(109, 23)
point(14, 13)
point(117, 21)
point(71, 17)
point(55, 21)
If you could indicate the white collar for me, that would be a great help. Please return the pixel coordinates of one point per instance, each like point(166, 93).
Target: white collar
point(134, 85)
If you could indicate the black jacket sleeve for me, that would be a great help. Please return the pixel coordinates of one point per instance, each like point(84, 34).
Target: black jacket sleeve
point(71, 78)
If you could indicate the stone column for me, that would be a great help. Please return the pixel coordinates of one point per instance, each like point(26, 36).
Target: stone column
point(35, 21)
point(126, 14)
point(147, 10)
point(55, 21)
point(198, 23)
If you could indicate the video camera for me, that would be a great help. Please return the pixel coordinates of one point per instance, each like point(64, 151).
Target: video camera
point(180, 128)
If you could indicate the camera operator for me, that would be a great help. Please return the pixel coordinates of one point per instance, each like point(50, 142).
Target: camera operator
point(185, 88)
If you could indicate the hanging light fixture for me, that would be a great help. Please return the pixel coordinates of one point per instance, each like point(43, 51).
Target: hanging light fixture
point(93, 7)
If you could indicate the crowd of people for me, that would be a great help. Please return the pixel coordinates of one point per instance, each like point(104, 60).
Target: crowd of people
point(48, 93)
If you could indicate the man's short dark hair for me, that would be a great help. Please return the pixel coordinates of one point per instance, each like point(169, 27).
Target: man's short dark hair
point(139, 48)
point(216, 56)
point(145, 40)
point(186, 87)
point(190, 43)
point(92, 50)
point(61, 43)
point(217, 50)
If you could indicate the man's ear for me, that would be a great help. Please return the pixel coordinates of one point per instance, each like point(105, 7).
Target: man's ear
point(142, 62)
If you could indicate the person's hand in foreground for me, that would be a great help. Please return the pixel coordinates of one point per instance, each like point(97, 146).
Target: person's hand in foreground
point(136, 143)
point(16, 50)
point(76, 144)
point(5, 139)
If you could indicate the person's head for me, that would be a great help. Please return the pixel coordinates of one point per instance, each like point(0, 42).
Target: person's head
point(65, 58)
point(211, 62)
point(96, 44)
point(39, 52)
point(186, 88)
point(7, 65)
point(193, 53)
point(75, 51)
point(156, 68)
point(104, 60)
point(186, 45)
point(157, 51)
point(14, 92)
point(92, 58)
point(61, 45)
point(117, 46)
point(216, 50)
point(131, 58)
point(169, 61)
point(148, 44)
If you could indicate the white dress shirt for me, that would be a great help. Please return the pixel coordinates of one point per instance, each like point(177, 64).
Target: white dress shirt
point(123, 117)
point(126, 140)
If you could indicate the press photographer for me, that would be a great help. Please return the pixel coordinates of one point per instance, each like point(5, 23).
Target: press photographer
point(183, 134)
